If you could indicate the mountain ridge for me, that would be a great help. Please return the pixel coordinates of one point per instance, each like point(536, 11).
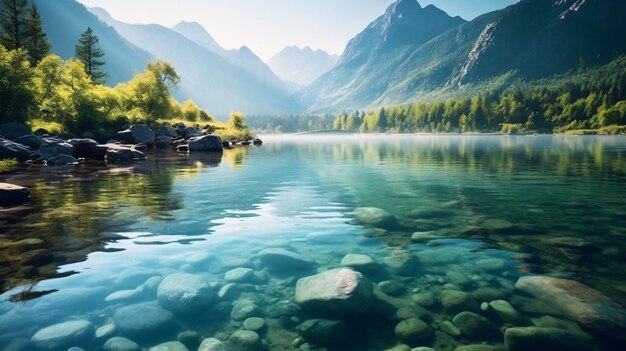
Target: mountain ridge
point(212, 81)
point(301, 65)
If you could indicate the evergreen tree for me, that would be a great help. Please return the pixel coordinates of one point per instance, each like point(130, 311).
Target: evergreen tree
point(36, 42)
point(13, 23)
point(88, 51)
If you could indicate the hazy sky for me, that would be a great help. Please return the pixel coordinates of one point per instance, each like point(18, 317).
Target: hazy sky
point(267, 26)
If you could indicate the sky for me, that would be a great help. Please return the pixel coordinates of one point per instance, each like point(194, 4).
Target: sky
point(267, 26)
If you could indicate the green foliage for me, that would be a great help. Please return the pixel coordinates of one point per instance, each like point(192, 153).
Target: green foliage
point(7, 165)
point(88, 51)
point(17, 86)
point(146, 97)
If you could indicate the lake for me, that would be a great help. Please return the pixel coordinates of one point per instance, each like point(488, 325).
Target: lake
point(314, 242)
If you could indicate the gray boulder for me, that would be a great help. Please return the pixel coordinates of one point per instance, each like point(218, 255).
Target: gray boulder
point(142, 319)
point(30, 140)
point(162, 141)
point(167, 131)
point(169, 346)
point(53, 146)
point(336, 292)
point(244, 309)
point(375, 217)
point(142, 134)
point(118, 343)
point(10, 149)
point(276, 259)
point(11, 194)
point(323, 331)
point(212, 344)
point(454, 301)
point(62, 160)
point(206, 143)
point(475, 326)
point(413, 329)
point(594, 312)
point(545, 339)
point(13, 130)
point(240, 275)
point(189, 133)
point(508, 313)
point(88, 148)
point(245, 340)
point(118, 153)
point(63, 335)
point(184, 293)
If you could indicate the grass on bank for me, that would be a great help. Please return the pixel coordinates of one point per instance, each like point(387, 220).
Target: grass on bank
point(8, 165)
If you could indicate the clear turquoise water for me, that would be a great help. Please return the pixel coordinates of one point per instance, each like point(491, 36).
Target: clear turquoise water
point(533, 205)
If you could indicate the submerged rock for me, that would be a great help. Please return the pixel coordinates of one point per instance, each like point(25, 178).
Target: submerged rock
point(240, 275)
point(276, 259)
point(323, 331)
point(11, 194)
point(454, 301)
point(480, 347)
point(375, 217)
point(244, 309)
point(358, 261)
point(508, 313)
point(118, 343)
point(142, 319)
point(594, 312)
point(184, 293)
point(336, 292)
point(413, 329)
point(475, 326)
point(169, 346)
point(545, 339)
point(63, 335)
point(244, 340)
point(255, 324)
point(212, 344)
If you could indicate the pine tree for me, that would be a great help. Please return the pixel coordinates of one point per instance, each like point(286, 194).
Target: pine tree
point(12, 23)
point(88, 51)
point(36, 42)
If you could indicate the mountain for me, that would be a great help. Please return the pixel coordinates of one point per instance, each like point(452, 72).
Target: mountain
point(65, 20)
point(393, 62)
point(301, 66)
point(544, 37)
point(211, 80)
point(244, 57)
point(369, 61)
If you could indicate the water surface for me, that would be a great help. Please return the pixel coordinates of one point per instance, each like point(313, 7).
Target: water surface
point(494, 209)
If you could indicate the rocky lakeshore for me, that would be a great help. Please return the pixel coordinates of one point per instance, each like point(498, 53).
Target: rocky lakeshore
point(19, 142)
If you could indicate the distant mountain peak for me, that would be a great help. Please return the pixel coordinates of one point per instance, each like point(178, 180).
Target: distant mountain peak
point(301, 66)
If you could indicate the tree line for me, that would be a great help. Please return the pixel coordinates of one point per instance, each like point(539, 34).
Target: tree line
point(43, 89)
point(589, 99)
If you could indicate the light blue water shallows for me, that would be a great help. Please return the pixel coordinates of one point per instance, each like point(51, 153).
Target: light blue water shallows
point(447, 224)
